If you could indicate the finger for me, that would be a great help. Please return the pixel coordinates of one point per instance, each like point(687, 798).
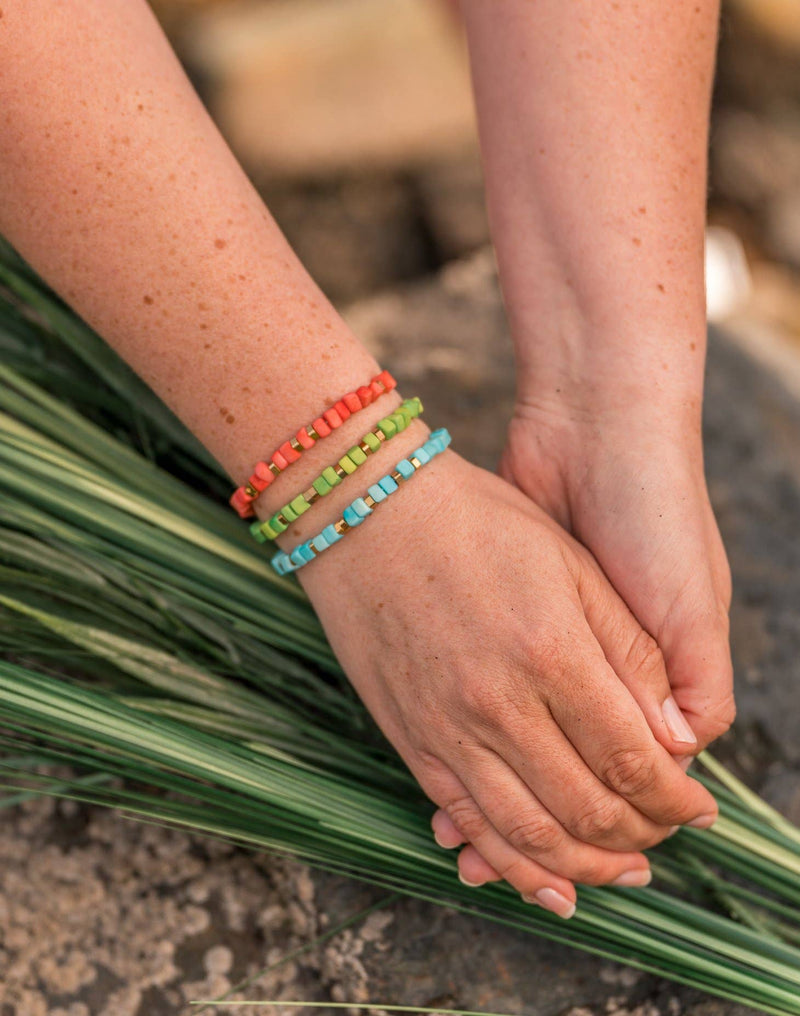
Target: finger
point(528, 877)
point(698, 660)
point(536, 748)
point(473, 870)
point(638, 661)
point(613, 738)
point(444, 832)
point(499, 797)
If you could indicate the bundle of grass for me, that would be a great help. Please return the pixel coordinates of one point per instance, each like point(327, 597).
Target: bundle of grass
point(152, 651)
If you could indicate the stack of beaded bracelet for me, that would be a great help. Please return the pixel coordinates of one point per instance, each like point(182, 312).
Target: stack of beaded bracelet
point(290, 451)
point(355, 513)
point(331, 477)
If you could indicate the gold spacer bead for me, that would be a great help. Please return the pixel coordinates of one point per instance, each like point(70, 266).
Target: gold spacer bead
point(311, 495)
point(369, 501)
point(341, 526)
point(339, 471)
point(398, 477)
point(365, 448)
point(275, 470)
point(250, 490)
point(313, 549)
point(294, 443)
point(379, 434)
point(283, 520)
point(312, 433)
point(415, 462)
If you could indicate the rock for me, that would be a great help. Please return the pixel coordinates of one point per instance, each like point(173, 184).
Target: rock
point(312, 86)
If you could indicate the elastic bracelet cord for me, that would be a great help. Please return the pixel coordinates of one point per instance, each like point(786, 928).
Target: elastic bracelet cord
point(331, 477)
point(355, 513)
point(290, 451)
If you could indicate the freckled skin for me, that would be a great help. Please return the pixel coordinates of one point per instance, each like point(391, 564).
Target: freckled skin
point(613, 103)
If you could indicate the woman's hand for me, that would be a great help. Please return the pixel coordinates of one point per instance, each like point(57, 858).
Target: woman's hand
point(513, 681)
point(628, 483)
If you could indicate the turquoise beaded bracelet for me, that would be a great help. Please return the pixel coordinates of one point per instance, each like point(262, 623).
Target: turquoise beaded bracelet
point(355, 513)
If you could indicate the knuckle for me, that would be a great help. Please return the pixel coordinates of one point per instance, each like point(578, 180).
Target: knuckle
point(720, 717)
point(466, 817)
point(630, 771)
point(591, 873)
point(644, 656)
point(598, 820)
point(535, 835)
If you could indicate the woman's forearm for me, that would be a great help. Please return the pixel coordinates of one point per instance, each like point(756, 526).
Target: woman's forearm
point(594, 121)
point(120, 191)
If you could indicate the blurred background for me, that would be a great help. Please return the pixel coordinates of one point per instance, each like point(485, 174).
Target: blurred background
point(354, 120)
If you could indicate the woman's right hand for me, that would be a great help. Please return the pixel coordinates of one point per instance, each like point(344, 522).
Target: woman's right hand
point(513, 681)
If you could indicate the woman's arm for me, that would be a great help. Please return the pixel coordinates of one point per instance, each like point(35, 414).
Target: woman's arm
point(119, 190)
point(594, 128)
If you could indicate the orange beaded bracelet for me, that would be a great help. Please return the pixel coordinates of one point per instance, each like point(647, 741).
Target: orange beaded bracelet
point(290, 451)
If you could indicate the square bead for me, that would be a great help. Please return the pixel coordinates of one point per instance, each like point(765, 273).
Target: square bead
point(347, 464)
point(352, 401)
point(387, 426)
point(372, 440)
point(361, 508)
point(366, 395)
point(288, 513)
point(288, 452)
point(342, 410)
point(304, 438)
point(332, 418)
point(321, 427)
point(332, 477)
point(331, 535)
point(386, 380)
point(422, 455)
point(257, 532)
point(279, 461)
point(405, 469)
point(387, 484)
point(377, 493)
point(357, 456)
point(320, 542)
point(296, 556)
point(351, 516)
point(321, 486)
point(299, 505)
point(276, 525)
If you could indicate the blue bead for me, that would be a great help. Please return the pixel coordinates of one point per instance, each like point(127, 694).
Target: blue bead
point(405, 469)
point(377, 493)
point(351, 516)
point(320, 542)
point(330, 534)
point(279, 562)
point(361, 508)
point(296, 556)
point(388, 484)
point(422, 455)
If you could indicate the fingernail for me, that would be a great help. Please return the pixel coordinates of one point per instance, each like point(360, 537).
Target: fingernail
point(472, 885)
point(531, 899)
point(635, 877)
point(676, 722)
point(552, 900)
point(702, 821)
point(672, 830)
point(439, 843)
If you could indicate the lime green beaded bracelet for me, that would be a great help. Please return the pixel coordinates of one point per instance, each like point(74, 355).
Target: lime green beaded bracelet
point(331, 477)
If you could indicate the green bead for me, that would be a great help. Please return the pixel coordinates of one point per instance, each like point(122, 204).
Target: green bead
point(288, 513)
point(258, 531)
point(275, 525)
point(388, 427)
point(321, 486)
point(357, 456)
point(331, 476)
point(347, 464)
point(400, 421)
point(299, 505)
point(372, 441)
